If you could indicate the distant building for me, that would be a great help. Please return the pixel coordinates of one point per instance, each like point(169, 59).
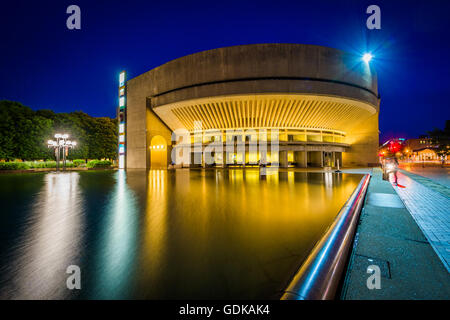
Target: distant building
point(425, 154)
point(420, 143)
point(421, 149)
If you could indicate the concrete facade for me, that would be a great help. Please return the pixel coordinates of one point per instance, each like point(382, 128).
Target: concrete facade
point(320, 99)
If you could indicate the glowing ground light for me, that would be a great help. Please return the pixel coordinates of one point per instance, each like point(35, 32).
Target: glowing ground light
point(367, 57)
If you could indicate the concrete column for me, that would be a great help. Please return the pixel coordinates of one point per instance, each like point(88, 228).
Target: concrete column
point(305, 158)
point(300, 157)
point(224, 159)
point(334, 160)
point(321, 159)
point(191, 164)
point(315, 158)
point(283, 158)
point(338, 156)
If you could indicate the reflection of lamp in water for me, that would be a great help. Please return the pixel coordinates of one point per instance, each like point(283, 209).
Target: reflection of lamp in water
point(53, 238)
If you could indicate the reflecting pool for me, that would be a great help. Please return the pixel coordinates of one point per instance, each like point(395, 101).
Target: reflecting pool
point(162, 234)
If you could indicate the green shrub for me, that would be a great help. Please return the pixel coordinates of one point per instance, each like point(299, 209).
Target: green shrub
point(36, 164)
point(99, 164)
point(69, 164)
point(14, 166)
point(31, 164)
point(42, 164)
point(50, 164)
point(79, 162)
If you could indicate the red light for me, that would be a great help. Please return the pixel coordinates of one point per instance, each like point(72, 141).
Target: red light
point(394, 146)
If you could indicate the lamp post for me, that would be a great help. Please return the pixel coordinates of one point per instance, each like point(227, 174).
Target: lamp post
point(61, 143)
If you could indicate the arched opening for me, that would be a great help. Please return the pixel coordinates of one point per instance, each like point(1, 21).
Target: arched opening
point(158, 153)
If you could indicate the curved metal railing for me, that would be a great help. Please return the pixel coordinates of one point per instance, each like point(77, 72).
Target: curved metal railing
point(319, 276)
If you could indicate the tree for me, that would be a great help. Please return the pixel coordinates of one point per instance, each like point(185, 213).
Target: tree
point(103, 139)
point(7, 132)
point(441, 138)
point(24, 133)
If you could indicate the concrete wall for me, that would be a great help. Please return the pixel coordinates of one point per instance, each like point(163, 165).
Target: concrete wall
point(263, 68)
point(364, 143)
point(155, 127)
point(136, 144)
point(142, 124)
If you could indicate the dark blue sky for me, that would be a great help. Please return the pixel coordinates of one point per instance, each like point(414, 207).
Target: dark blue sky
point(46, 66)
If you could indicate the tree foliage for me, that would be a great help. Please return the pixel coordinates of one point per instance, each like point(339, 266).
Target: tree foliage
point(441, 138)
point(24, 133)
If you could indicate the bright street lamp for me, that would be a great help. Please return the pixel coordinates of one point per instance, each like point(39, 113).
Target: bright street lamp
point(61, 143)
point(367, 57)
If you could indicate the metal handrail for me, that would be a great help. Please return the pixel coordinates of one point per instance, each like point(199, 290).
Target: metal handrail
point(319, 276)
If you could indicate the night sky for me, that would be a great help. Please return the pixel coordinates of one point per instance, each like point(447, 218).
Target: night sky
point(46, 66)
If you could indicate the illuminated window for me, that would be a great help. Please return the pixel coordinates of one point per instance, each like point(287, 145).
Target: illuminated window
point(121, 149)
point(121, 161)
point(121, 101)
point(122, 92)
point(122, 138)
point(122, 79)
point(121, 128)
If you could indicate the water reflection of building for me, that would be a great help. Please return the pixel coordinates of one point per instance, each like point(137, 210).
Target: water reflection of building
point(117, 247)
point(323, 102)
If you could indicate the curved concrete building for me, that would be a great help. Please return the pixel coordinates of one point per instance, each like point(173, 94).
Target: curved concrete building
point(323, 103)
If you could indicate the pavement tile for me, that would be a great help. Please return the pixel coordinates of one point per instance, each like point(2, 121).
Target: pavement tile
point(431, 210)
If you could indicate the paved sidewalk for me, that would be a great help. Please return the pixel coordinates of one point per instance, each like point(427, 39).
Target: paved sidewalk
point(431, 211)
point(389, 237)
point(432, 172)
point(432, 184)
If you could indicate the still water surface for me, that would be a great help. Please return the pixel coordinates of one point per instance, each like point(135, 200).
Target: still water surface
point(162, 234)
